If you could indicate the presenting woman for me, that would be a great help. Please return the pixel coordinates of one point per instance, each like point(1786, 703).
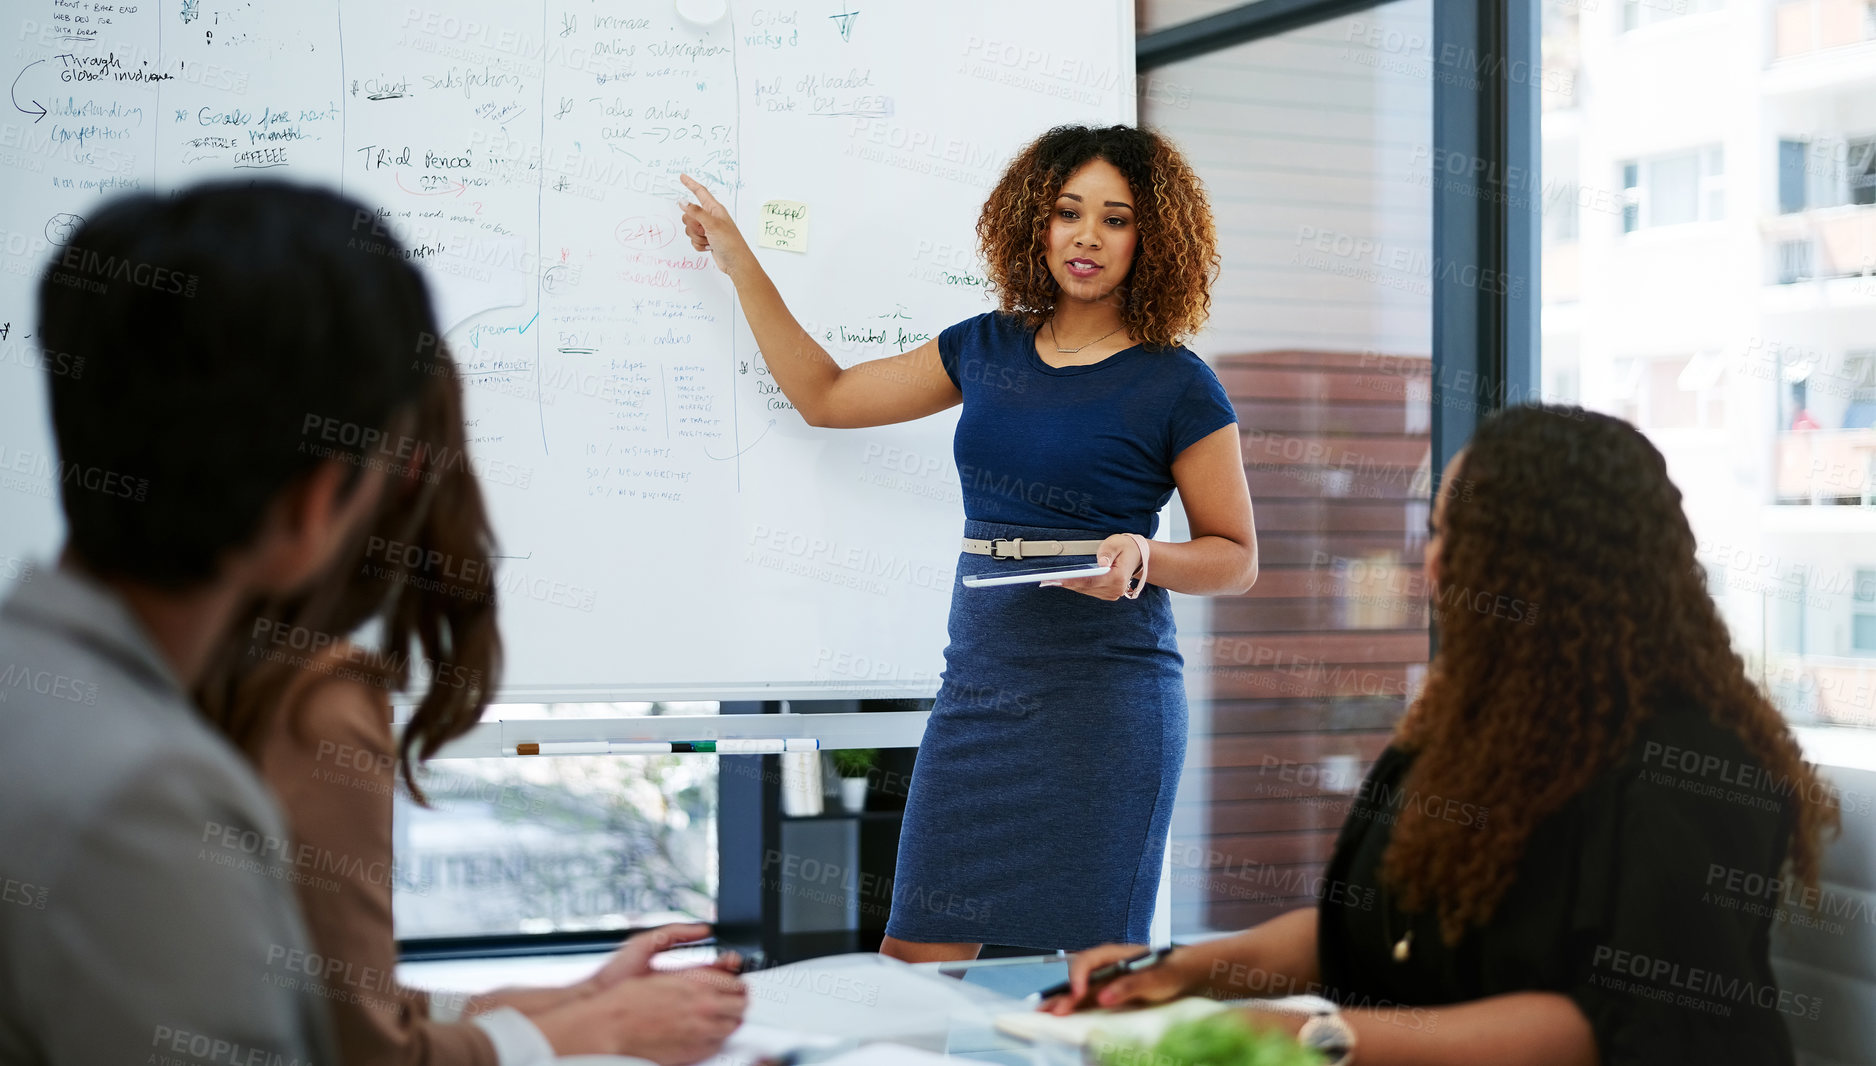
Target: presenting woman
point(1038, 811)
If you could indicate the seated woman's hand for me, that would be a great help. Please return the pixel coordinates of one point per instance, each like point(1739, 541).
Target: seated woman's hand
point(1168, 980)
point(633, 958)
point(672, 1019)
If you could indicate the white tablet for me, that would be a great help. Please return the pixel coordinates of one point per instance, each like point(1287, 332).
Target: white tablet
point(1029, 575)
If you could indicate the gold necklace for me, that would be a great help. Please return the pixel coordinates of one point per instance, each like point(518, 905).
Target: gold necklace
point(1059, 350)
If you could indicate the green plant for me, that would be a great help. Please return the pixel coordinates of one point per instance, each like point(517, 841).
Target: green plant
point(1222, 1039)
point(855, 762)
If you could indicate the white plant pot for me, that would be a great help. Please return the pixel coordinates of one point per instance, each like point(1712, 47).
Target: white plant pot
point(853, 793)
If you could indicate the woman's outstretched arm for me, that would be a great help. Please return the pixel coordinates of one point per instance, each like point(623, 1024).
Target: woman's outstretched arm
point(875, 393)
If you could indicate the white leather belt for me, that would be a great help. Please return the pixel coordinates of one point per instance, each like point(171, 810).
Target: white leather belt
point(1018, 548)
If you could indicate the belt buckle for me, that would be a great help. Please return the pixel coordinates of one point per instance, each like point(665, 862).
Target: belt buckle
point(997, 544)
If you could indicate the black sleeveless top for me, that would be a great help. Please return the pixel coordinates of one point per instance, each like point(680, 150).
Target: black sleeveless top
point(1648, 899)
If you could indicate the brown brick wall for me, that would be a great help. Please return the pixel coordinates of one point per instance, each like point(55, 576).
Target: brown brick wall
point(1312, 663)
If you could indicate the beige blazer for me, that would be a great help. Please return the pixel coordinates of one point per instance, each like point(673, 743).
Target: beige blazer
point(332, 764)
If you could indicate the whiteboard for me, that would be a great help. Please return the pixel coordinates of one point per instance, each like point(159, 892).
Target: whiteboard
point(670, 527)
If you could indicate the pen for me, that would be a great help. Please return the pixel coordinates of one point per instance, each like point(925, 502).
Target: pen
point(1102, 974)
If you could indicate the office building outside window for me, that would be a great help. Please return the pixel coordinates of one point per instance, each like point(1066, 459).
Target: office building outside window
point(570, 844)
point(1724, 297)
point(1639, 13)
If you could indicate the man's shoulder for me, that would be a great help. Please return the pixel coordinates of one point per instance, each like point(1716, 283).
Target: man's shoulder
point(87, 740)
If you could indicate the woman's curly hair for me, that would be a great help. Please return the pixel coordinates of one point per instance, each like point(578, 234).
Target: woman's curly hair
point(1571, 512)
point(1167, 294)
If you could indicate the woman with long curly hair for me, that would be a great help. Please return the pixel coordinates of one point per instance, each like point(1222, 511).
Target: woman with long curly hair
point(312, 709)
point(1573, 849)
point(1039, 805)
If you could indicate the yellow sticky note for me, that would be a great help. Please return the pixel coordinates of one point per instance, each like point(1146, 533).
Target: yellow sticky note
point(784, 225)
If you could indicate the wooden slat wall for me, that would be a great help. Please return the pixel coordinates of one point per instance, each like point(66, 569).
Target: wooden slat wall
point(1307, 674)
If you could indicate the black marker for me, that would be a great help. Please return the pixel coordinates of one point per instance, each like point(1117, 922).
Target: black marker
point(1102, 974)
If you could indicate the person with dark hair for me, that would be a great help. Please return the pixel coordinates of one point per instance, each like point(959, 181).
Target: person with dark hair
point(241, 353)
point(1574, 848)
point(1039, 807)
point(319, 727)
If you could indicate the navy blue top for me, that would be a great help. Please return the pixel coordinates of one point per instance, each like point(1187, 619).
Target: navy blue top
point(1079, 447)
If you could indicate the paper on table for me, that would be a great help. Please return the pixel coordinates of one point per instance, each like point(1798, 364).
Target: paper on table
point(862, 997)
point(1144, 1025)
point(750, 1044)
point(890, 1055)
point(845, 999)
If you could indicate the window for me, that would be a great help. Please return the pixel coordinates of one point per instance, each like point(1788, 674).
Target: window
point(1825, 171)
point(1863, 613)
point(1673, 190)
point(1563, 381)
point(1793, 172)
point(1676, 392)
point(1860, 159)
point(1560, 213)
point(1795, 262)
point(1639, 13)
point(1859, 374)
point(1841, 393)
point(1321, 330)
point(1762, 399)
point(558, 844)
point(1631, 197)
point(1713, 183)
point(1669, 405)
